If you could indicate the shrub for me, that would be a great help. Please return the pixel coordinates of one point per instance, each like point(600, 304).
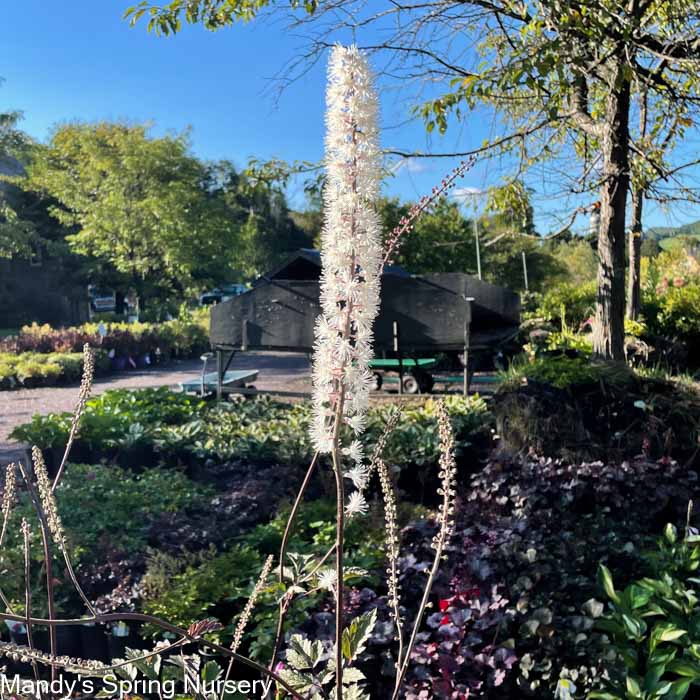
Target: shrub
point(521, 577)
point(110, 418)
point(572, 303)
point(560, 372)
point(654, 625)
point(187, 337)
point(32, 369)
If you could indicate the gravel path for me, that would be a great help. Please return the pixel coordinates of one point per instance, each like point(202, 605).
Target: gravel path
point(278, 371)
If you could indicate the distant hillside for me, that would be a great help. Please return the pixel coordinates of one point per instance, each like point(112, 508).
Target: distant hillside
point(660, 233)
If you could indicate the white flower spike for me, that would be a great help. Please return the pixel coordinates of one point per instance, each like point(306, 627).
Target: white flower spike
point(351, 252)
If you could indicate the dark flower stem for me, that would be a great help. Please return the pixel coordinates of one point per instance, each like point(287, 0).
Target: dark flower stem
point(107, 618)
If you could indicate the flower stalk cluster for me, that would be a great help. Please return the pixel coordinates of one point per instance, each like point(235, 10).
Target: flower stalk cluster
point(83, 396)
point(8, 497)
point(248, 610)
point(448, 478)
point(25, 654)
point(406, 224)
point(48, 500)
point(351, 255)
point(392, 545)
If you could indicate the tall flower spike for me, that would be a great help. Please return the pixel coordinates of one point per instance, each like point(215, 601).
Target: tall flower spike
point(48, 500)
point(83, 395)
point(8, 497)
point(351, 253)
point(392, 549)
point(448, 476)
point(248, 610)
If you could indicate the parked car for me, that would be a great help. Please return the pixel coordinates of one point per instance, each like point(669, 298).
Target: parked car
point(219, 294)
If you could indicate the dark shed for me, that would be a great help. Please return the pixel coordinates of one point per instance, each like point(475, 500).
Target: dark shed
point(426, 314)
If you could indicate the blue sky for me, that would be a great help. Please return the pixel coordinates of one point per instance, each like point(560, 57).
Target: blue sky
point(79, 60)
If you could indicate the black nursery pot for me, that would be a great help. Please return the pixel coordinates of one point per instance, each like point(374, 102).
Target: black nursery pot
point(93, 641)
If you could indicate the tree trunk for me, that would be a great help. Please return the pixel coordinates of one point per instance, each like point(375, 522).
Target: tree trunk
point(635, 242)
point(635, 254)
point(609, 329)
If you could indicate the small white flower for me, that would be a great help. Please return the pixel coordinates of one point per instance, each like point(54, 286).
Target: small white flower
point(326, 579)
point(354, 451)
point(359, 475)
point(357, 505)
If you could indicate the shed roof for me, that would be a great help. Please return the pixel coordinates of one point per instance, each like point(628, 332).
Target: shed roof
point(305, 264)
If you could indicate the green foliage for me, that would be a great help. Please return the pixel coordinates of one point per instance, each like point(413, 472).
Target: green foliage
point(181, 427)
point(131, 197)
point(679, 312)
point(113, 506)
point(193, 585)
point(111, 417)
point(577, 259)
point(561, 372)
point(654, 625)
point(415, 439)
point(182, 337)
point(310, 673)
point(164, 220)
point(30, 369)
point(569, 303)
point(16, 232)
point(187, 588)
point(103, 510)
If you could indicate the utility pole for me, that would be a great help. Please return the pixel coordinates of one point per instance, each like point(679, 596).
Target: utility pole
point(478, 250)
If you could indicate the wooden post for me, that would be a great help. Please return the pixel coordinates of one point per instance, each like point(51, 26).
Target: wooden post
point(244, 335)
point(397, 350)
point(219, 374)
point(205, 357)
point(478, 248)
point(467, 342)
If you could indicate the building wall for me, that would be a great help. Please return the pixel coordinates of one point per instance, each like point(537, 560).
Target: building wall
point(41, 293)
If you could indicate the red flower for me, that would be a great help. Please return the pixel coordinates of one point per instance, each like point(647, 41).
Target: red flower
point(445, 620)
point(444, 604)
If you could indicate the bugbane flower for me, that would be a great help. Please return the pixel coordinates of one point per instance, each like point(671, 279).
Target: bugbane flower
point(351, 252)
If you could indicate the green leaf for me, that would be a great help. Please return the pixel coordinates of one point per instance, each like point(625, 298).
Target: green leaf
point(684, 667)
point(605, 578)
point(634, 626)
point(302, 653)
point(356, 635)
point(639, 596)
point(633, 687)
point(211, 671)
point(679, 689)
point(670, 533)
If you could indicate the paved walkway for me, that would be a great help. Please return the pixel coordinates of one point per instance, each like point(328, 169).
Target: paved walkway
point(278, 371)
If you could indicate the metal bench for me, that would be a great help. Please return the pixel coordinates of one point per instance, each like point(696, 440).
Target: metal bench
point(207, 383)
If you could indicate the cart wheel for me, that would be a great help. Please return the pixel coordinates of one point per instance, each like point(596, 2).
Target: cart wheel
point(426, 382)
point(410, 385)
point(377, 383)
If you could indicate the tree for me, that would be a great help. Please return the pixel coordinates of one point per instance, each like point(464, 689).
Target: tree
point(16, 233)
point(255, 200)
point(141, 204)
point(662, 124)
point(543, 67)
